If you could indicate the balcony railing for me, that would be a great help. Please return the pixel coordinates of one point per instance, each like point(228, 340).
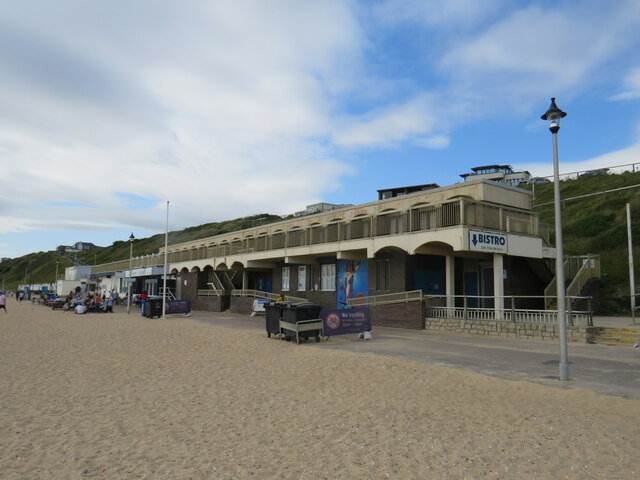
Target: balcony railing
point(458, 212)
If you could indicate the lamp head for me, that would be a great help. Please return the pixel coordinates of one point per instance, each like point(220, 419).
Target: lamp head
point(553, 116)
point(131, 238)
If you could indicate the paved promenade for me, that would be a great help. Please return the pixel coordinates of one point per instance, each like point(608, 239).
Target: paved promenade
point(604, 369)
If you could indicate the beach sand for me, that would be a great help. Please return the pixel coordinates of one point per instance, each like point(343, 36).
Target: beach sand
point(124, 397)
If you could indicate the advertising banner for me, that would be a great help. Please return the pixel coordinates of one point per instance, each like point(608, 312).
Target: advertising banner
point(353, 280)
point(178, 306)
point(346, 320)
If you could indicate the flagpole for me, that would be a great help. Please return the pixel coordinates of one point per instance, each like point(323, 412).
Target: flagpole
point(164, 276)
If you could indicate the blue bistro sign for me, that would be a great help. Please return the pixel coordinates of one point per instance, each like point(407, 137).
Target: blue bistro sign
point(480, 241)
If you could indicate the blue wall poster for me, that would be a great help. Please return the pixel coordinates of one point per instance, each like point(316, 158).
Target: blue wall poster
point(353, 280)
point(346, 320)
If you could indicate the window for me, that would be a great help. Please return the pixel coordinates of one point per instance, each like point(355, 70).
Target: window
point(328, 277)
point(286, 275)
point(302, 278)
point(383, 269)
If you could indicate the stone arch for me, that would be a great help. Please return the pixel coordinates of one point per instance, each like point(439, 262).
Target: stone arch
point(434, 248)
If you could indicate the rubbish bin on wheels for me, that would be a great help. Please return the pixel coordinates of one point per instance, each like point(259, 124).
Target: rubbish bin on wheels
point(153, 307)
point(297, 312)
point(273, 315)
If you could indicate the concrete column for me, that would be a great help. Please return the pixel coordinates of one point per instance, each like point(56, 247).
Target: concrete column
point(498, 284)
point(245, 279)
point(450, 284)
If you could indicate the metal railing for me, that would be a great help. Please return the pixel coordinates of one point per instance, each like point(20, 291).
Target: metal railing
point(386, 299)
point(513, 309)
point(579, 270)
point(417, 218)
point(209, 293)
point(265, 295)
point(590, 269)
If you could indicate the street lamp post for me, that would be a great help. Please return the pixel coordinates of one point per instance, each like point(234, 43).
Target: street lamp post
point(553, 116)
point(131, 239)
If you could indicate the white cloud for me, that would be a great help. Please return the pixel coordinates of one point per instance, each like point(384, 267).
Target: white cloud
point(221, 108)
point(436, 13)
point(631, 86)
point(536, 52)
point(412, 120)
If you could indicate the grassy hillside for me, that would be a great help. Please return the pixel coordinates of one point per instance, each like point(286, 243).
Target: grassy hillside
point(598, 224)
point(591, 225)
point(41, 267)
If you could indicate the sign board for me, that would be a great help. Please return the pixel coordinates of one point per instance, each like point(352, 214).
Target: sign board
point(346, 320)
point(258, 305)
point(480, 241)
point(177, 306)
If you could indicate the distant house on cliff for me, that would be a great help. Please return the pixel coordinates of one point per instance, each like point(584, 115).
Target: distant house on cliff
point(497, 173)
point(76, 247)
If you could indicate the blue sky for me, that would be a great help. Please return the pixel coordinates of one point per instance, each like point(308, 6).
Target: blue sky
point(225, 109)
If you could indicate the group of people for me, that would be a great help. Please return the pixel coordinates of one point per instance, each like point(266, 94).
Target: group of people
point(93, 303)
point(97, 303)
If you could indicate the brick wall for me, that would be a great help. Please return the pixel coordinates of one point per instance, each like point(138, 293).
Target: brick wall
point(212, 303)
point(399, 315)
point(241, 305)
point(190, 292)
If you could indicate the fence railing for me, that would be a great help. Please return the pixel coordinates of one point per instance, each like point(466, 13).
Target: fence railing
point(265, 295)
point(386, 299)
point(518, 309)
point(416, 218)
point(578, 270)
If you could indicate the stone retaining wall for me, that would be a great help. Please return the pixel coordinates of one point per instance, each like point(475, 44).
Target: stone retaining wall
point(528, 331)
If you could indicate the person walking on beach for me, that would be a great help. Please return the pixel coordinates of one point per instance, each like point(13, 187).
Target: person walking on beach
point(3, 302)
point(143, 302)
point(109, 306)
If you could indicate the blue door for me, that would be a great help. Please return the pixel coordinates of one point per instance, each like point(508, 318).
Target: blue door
point(431, 282)
point(471, 288)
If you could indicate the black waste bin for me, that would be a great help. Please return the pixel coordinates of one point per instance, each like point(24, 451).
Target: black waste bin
point(296, 312)
point(273, 315)
point(153, 308)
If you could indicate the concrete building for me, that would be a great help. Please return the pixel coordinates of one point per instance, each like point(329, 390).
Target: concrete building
point(466, 246)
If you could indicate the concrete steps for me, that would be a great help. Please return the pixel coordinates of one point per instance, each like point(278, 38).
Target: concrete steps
point(614, 336)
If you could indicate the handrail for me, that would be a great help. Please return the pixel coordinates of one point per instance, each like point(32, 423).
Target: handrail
point(479, 307)
point(209, 293)
point(585, 267)
point(386, 299)
point(590, 269)
point(265, 295)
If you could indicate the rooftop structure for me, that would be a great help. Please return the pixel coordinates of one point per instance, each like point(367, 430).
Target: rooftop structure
point(497, 173)
point(400, 191)
point(321, 207)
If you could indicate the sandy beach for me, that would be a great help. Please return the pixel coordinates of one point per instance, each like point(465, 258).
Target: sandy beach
point(124, 397)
